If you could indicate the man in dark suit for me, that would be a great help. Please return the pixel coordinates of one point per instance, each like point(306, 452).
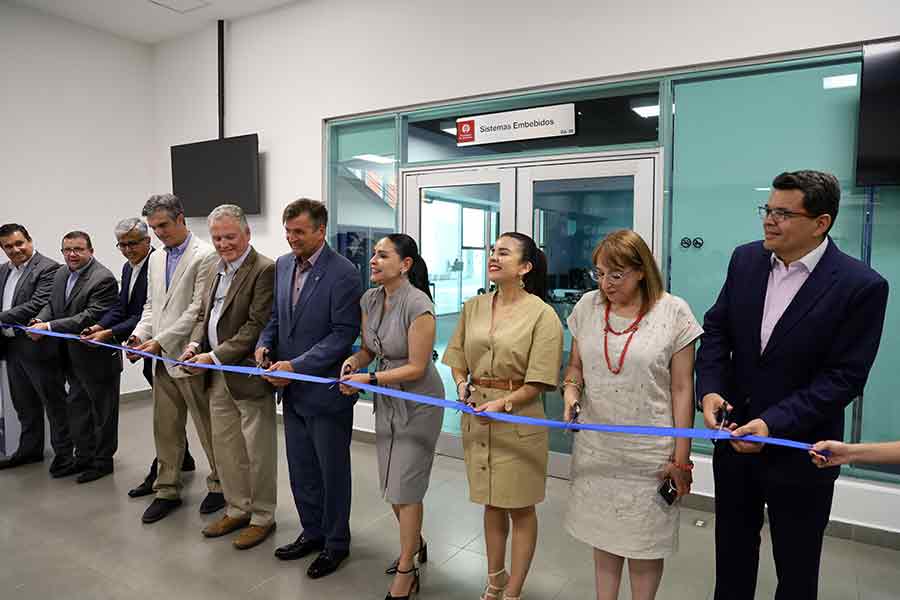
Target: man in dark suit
point(114, 327)
point(81, 294)
point(315, 319)
point(34, 375)
point(787, 346)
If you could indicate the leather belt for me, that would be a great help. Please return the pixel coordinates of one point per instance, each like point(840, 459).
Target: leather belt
point(497, 384)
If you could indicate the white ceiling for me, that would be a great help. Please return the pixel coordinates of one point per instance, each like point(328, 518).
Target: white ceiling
point(149, 21)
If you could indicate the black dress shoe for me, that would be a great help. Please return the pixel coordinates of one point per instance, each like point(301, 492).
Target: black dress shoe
point(299, 548)
point(59, 461)
point(326, 563)
point(93, 474)
point(145, 489)
point(16, 460)
point(214, 501)
point(159, 508)
point(72, 468)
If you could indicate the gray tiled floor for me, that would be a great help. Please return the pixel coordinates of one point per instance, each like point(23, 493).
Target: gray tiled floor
point(62, 540)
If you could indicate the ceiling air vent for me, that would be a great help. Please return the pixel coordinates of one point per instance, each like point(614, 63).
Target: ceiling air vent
point(181, 6)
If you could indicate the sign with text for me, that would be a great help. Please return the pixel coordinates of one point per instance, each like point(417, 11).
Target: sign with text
point(527, 124)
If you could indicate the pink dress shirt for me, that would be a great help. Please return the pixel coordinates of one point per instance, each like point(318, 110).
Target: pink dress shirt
point(784, 283)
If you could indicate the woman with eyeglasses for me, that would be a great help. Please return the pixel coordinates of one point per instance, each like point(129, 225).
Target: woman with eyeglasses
point(631, 363)
point(506, 351)
point(398, 328)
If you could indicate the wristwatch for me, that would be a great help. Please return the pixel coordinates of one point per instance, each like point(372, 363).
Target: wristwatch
point(373, 379)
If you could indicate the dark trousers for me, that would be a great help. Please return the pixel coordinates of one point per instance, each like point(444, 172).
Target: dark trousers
point(318, 454)
point(798, 514)
point(36, 387)
point(94, 418)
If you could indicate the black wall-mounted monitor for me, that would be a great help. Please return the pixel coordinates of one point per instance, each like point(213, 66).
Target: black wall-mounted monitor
point(207, 174)
point(878, 139)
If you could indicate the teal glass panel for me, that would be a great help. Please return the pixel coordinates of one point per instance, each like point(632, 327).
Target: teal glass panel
point(570, 217)
point(459, 224)
point(732, 135)
point(362, 187)
point(881, 411)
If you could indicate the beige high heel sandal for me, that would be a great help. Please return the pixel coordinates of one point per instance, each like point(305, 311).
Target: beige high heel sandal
point(492, 591)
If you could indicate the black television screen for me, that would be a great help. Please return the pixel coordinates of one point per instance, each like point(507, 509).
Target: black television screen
point(878, 139)
point(207, 174)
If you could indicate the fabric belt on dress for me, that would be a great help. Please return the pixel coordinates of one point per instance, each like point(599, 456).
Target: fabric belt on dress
point(497, 384)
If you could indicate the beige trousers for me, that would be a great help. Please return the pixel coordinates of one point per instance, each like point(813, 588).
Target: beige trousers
point(172, 400)
point(244, 442)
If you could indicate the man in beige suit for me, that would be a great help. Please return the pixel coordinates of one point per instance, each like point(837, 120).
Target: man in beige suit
point(237, 304)
point(175, 280)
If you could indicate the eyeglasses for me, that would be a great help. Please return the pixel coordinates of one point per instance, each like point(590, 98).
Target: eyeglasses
point(613, 276)
point(73, 250)
point(131, 244)
point(779, 214)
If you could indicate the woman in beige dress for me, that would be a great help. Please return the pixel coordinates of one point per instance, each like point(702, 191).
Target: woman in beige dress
point(505, 352)
point(631, 363)
point(398, 333)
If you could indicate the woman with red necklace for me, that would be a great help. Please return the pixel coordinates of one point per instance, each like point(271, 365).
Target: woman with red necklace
point(631, 363)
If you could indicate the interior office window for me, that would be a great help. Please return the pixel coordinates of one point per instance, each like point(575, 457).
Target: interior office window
point(602, 118)
point(881, 411)
point(732, 135)
point(362, 186)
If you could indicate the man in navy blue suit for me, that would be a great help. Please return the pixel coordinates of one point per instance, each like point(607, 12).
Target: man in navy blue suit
point(787, 346)
point(315, 320)
point(114, 327)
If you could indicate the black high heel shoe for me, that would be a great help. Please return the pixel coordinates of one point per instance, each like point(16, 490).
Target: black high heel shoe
point(413, 589)
point(421, 556)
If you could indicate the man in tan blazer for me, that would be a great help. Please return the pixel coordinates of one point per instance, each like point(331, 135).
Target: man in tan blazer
point(175, 280)
point(237, 303)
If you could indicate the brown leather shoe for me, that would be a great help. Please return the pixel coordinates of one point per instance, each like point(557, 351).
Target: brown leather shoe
point(253, 535)
point(226, 525)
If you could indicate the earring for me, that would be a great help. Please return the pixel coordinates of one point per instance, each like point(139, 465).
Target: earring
point(521, 283)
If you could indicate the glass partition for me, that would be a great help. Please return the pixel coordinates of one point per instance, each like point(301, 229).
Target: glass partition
point(732, 135)
point(362, 188)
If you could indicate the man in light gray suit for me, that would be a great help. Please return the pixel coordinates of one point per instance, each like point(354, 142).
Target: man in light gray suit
point(176, 278)
point(81, 294)
point(35, 379)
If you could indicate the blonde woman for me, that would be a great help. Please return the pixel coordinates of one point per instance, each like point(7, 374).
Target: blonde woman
point(631, 363)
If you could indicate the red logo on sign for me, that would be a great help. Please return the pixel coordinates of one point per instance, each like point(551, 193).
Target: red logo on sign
point(465, 131)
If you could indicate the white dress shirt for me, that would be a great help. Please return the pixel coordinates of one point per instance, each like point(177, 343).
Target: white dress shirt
point(9, 290)
point(784, 283)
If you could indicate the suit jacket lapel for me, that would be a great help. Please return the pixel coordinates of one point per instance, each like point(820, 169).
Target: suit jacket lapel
point(180, 268)
point(812, 290)
point(127, 274)
point(239, 278)
point(25, 275)
point(757, 284)
point(79, 283)
point(309, 286)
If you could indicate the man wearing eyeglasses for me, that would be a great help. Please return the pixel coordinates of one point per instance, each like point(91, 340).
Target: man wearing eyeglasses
point(787, 346)
point(81, 293)
point(33, 372)
point(133, 241)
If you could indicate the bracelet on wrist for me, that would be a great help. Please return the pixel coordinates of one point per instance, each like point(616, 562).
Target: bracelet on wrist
point(688, 466)
point(572, 382)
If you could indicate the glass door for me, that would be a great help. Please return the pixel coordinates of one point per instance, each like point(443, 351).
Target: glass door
point(456, 216)
point(566, 207)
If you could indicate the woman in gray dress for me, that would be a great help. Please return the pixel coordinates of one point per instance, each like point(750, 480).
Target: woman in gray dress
point(398, 329)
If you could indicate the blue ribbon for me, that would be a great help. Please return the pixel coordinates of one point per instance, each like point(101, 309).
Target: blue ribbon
point(674, 432)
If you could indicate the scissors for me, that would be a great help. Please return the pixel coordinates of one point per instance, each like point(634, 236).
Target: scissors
point(576, 412)
point(722, 418)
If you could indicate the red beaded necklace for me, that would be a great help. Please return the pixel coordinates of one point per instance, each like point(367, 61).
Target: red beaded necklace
point(630, 330)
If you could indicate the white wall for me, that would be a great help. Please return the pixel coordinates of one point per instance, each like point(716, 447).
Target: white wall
point(77, 133)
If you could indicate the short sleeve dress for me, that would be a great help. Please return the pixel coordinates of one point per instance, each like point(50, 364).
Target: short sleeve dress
point(405, 432)
point(614, 504)
point(506, 463)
